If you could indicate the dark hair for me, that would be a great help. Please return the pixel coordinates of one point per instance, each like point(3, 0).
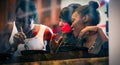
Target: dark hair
point(91, 10)
point(28, 6)
point(67, 12)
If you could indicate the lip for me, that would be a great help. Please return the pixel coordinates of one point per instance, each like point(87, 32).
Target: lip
point(73, 29)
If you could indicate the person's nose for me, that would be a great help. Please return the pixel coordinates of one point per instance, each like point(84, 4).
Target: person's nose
point(60, 24)
point(72, 27)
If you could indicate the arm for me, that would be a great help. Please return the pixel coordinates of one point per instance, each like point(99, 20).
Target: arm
point(90, 30)
point(101, 39)
point(55, 43)
point(5, 35)
point(104, 48)
point(5, 46)
point(102, 35)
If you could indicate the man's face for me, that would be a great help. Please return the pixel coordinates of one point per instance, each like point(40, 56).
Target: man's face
point(23, 21)
point(77, 24)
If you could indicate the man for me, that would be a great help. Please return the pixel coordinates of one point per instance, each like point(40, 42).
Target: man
point(22, 34)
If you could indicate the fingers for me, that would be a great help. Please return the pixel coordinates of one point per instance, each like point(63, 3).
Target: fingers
point(59, 40)
point(22, 35)
point(87, 31)
point(53, 36)
point(19, 37)
point(83, 32)
point(83, 35)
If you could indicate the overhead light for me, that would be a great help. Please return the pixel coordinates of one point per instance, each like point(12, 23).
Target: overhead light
point(107, 1)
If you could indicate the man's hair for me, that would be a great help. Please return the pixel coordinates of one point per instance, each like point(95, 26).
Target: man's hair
point(28, 6)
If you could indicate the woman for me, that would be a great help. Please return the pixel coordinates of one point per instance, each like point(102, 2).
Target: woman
point(84, 26)
point(66, 38)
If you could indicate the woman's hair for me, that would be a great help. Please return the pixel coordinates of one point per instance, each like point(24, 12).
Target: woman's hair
point(66, 13)
point(91, 10)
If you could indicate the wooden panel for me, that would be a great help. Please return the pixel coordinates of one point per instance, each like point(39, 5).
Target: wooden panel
point(40, 9)
point(7, 8)
point(55, 11)
point(77, 61)
point(3, 9)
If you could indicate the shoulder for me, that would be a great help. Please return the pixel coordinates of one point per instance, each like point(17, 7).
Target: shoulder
point(8, 27)
point(47, 29)
point(47, 33)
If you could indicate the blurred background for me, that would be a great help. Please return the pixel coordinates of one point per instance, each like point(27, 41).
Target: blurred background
point(48, 11)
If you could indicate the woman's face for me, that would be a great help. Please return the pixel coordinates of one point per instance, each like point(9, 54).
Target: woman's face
point(78, 24)
point(61, 23)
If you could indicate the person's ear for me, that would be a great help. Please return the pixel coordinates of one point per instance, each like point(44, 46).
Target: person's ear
point(85, 19)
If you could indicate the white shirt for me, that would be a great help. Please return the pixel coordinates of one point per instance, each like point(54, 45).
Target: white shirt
point(35, 43)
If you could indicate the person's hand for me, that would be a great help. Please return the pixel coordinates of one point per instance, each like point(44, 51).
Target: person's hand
point(55, 43)
point(19, 38)
point(88, 31)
